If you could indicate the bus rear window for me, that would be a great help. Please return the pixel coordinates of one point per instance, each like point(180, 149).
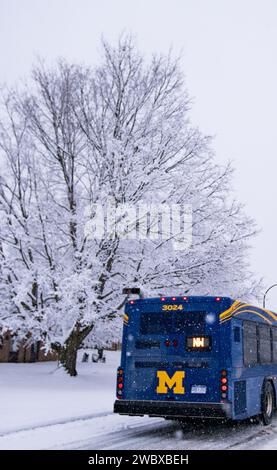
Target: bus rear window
point(173, 322)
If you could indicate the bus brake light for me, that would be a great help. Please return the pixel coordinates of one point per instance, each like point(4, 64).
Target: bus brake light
point(119, 385)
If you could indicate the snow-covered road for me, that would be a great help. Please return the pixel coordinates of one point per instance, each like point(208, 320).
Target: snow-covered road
point(42, 408)
point(110, 431)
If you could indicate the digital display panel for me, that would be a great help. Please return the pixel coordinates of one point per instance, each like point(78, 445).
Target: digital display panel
point(199, 343)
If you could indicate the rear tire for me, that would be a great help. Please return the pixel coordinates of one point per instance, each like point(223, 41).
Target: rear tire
point(268, 402)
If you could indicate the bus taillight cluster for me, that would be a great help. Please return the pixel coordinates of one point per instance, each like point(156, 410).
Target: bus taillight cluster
point(120, 383)
point(224, 384)
point(173, 343)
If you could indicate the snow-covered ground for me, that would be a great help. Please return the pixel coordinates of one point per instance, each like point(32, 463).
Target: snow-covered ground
point(42, 408)
point(40, 393)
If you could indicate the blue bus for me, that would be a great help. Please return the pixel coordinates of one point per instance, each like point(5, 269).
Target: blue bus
point(197, 357)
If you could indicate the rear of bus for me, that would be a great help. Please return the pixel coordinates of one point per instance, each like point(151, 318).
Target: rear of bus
point(175, 358)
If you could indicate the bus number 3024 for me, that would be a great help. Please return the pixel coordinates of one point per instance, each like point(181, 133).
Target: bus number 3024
point(172, 307)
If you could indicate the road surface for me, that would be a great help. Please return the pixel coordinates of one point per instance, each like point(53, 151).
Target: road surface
point(109, 431)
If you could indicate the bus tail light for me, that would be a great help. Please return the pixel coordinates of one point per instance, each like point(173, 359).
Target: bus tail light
point(167, 343)
point(119, 383)
point(224, 384)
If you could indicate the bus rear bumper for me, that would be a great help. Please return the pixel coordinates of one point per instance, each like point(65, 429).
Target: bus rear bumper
point(170, 409)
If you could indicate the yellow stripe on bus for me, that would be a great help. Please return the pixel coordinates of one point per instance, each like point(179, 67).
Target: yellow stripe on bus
point(230, 310)
point(271, 314)
point(248, 311)
point(236, 306)
point(228, 314)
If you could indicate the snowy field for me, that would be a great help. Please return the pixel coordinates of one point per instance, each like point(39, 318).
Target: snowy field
point(42, 408)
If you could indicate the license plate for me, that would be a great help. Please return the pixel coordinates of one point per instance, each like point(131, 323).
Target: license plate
point(198, 389)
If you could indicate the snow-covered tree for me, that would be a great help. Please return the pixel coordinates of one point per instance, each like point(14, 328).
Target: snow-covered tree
point(78, 138)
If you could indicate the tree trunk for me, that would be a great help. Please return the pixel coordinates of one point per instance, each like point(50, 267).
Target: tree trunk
point(68, 352)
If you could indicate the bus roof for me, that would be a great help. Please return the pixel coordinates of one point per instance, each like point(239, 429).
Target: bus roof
point(227, 307)
point(180, 298)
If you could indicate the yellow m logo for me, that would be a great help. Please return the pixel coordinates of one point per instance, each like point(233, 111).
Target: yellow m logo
point(175, 382)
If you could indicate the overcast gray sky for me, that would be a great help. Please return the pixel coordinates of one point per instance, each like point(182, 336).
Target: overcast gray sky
point(230, 62)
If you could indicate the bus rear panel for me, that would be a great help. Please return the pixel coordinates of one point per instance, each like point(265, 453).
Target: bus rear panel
point(174, 358)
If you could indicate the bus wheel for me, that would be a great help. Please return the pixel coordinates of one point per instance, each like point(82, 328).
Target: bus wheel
point(267, 403)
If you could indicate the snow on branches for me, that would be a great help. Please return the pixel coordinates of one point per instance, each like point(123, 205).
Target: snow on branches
point(77, 137)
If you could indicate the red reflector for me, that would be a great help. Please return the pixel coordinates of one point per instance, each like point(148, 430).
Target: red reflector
point(185, 298)
point(132, 301)
point(224, 380)
point(162, 298)
point(120, 385)
point(175, 343)
point(167, 343)
point(218, 299)
point(224, 388)
point(173, 298)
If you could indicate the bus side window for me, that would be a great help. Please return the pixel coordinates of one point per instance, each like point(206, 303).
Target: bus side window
point(250, 343)
point(237, 334)
point(274, 344)
point(264, 344)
